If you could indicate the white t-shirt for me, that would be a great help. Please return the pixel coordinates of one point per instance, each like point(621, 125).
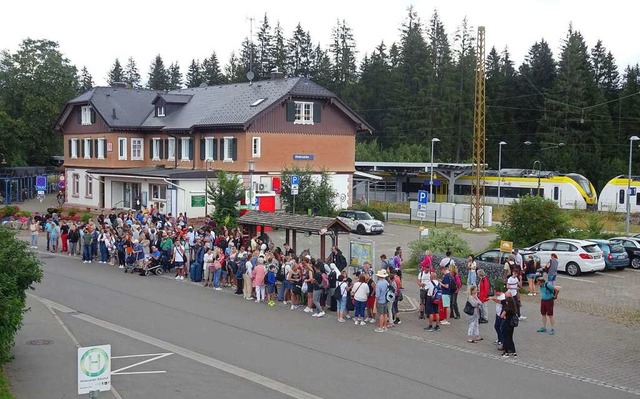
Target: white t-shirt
point(361, 291)
point(431, 286)
point(179, 254)
point(343, 285)
point(512, 285)
point(208, 260)
point(500, 297)
point(425, 279)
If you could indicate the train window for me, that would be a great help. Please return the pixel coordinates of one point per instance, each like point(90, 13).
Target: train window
point(637, 199)
point(621, 197)
point(556, 193)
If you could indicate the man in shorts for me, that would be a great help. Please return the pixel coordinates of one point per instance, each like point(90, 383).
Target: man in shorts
point(432, 308)
point(382, 285)
point(547, 294)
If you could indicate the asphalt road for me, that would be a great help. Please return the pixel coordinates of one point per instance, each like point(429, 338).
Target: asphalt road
point(225, 347)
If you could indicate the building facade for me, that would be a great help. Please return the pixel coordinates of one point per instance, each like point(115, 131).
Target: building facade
point(129, 147)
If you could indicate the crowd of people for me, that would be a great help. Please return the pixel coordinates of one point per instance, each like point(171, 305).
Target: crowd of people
point(258, 270)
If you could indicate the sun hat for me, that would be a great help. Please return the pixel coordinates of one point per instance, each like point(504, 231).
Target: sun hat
point(382, 273)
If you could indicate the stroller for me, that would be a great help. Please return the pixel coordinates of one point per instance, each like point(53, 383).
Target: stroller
point(130, 263)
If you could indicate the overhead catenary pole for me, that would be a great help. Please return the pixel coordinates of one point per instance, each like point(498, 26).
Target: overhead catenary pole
point(433, 141)
point(628, 195)
point(477, 185)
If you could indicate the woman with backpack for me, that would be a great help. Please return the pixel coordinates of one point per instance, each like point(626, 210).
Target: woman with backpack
point(360, 293)
point(316, 280)
point(510, 322)
point(473, 332)
point(455, 311)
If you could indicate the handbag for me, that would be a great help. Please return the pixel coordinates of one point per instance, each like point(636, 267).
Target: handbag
point(514, 321)
point(337, 292)
point(468, 308)
point(353, 297)
point(305, 287)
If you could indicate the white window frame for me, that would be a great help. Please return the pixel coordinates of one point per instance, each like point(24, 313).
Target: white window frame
point(171, 149)
point(88, 186)
point(158, 188)
point(85, 115)
point(75, 184)
point(208, 148)
point(156, 149)
point(74, 149)
point(134, 143)
point(86, 143)
point(256, 144)
point(184, 149)
point(228, 141)
point(160, 110)
point(301, 117)
point(122, 148)
point(101, 146)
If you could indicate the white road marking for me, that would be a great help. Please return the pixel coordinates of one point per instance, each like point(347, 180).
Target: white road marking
point(195, 356)
point(577, 279)
point(156, 357)
point(608, 275)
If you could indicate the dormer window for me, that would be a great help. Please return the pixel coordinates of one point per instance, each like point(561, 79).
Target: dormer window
point(86, 115)
point(160, 110)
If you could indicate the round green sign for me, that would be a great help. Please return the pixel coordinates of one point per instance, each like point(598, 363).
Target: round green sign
point(94, 362)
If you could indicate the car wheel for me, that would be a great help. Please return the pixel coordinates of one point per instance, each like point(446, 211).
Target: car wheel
point(635, 263)
point(573, 269)
point(361, 230)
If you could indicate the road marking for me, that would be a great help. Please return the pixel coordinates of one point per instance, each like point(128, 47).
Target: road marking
point(608, 275)
point(155, 357)
point(577, 279)
point(195, 356)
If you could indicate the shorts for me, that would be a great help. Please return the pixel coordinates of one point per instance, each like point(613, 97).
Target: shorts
point(178, 265)
point(382, 308)
point(206, 274)
point(446, 301)
point(430, 307)
point(271, 288)
point(371, 302)
point(546, 307)
point(551, 278)
point(531, 276)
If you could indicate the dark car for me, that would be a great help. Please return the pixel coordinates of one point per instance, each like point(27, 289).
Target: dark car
point(615, 255)
point(496, 256)
point(632, 246)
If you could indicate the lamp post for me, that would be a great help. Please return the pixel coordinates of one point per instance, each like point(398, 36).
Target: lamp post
point(206, 186)
point(539, 167)
point(627, 221)
point(433, 141)
point(4, 161)
point(252, 168)
point(500, 144)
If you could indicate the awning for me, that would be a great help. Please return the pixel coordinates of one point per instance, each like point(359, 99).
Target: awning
point(366, 175)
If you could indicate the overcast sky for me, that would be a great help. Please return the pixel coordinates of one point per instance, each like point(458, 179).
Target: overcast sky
point(94, 33)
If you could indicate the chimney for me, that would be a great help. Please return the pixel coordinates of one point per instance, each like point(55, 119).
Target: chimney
point(276, 74)
point(113, 114)
point(122, 85)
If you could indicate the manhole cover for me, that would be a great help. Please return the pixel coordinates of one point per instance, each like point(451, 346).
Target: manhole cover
point(39, 342)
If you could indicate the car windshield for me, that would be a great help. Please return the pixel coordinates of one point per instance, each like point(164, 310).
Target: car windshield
point(616, 248)
point(591, 248)
point(363, 216)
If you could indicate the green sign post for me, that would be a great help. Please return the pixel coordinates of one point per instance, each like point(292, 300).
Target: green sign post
point(198, 201)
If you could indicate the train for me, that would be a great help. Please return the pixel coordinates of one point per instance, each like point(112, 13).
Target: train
point(568, 190)
point(613, 195)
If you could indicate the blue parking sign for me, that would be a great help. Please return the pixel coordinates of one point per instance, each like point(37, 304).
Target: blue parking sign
point(295, 179)
point(423, 196)
point(632, 191)
point(41, 183)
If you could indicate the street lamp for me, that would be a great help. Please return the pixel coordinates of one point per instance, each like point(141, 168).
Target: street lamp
point(4, 161)
point(534, 168)
point(500, 144)
point(206, 187)
point(433, 141)
point(631, 140)
point(252, 168)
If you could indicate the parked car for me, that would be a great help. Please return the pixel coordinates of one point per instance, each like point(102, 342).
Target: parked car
point(361, 222)
point(574, 256)
point(498, 257)
point(632, 246)
point(615, 256)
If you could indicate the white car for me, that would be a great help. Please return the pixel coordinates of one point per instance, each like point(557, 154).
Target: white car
point(574, 256)
point(361, 222)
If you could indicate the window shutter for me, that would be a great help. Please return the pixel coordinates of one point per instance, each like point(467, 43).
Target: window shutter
point(81, 144)
point(104, 148)
point(90, 148)
point(191, 148)
point(160, 151)
point(166, 148)
point(317, 109)
point(178, 148)
point(93, 116)
point(222, 149)
point(291, 111)
point(70, 147)
point(234, 149)
point(95, 147)
point(150, 148)
point(202, 148)
point(215, 150)
point(79, 115)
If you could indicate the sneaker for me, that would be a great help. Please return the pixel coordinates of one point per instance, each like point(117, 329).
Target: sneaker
point(217, 289)
point(284, 302)
point(321, 314)
point(84, 261)
point(177, 278)
point(522, 318)
point(529, 294)
point(496, 342)
point(315, 315)
point(341, 320)
point(88, 261)
point(535, 293)
point(257, 301)
point(514, 355)
point(293, 307)
point(120, 267)
point(541, 329)
point(430, 328)
point(347, 317)
point(505, 355)
point(379, 330)
point(444, 322)
point(436, 328)
point(366, 320)
point(363, 323)
point(396, 321)
point(357, 322)
point(552, 332)
point(308, 310)
point(372, 321)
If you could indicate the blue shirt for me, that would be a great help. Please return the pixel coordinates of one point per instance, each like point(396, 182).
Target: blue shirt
point(381, 291)
point(447, 280)
point(546, 291)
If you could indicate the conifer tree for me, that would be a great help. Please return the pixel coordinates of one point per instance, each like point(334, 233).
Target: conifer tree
point(131, 75)
point(175, 77)
point(86, 80)
point(158, 77)
point(194, 74)
point(115, 74)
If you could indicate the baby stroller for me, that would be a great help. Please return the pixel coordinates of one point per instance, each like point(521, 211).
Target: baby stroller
point(152, 266)
point(130, 263)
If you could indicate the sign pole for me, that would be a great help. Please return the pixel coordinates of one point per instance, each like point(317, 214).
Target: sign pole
point(94, 394)
point(294, 205)
point(295, 181)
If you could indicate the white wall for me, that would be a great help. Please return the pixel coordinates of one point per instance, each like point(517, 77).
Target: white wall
point(81, 200)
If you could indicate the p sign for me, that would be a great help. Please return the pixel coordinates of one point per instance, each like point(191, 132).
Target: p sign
point(295, 180)
point(423, 197)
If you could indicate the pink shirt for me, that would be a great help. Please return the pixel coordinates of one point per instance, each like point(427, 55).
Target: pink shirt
point(258, 274)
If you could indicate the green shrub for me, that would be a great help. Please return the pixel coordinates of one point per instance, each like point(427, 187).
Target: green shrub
point(396, 207)
point(86, 217)
point(9, 211)
point(19, 269)
point(73, 212)
point(438, 241)
point(375, 213)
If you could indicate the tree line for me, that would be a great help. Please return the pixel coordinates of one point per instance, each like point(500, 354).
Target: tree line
point(412, 90)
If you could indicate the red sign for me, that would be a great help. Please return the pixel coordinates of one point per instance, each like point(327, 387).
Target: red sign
point(275, 184)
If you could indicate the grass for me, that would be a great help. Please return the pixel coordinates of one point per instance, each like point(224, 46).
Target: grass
point(455, 227)
point(5, 388)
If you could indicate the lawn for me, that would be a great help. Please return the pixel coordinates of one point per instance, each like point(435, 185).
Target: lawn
point(5, 388)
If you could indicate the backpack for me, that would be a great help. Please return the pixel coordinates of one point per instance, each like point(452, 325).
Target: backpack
point(280, 273)
point(391, 293)
point(437, 293)
point(556, 291)
point(325, 281)
point(453, 285)
point(341, 262)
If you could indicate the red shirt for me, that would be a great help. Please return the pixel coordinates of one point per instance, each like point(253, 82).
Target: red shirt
point(483, 292)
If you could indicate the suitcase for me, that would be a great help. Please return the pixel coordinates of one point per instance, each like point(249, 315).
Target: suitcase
point(195, 272)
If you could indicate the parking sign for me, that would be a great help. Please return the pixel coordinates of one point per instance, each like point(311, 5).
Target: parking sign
point(295, 180)
point(423, 197)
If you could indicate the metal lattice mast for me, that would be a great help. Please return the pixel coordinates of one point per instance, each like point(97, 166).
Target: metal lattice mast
point(477, 186)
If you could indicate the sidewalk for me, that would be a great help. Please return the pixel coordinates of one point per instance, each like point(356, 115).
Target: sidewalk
point(45, 358)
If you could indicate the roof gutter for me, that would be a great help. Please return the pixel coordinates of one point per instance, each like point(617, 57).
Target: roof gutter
point(183, 190)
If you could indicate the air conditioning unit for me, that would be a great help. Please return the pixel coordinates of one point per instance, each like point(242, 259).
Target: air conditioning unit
point(265, 184)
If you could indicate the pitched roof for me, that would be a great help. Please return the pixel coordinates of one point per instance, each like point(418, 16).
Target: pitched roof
point(154, 172)
point(283, 220)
